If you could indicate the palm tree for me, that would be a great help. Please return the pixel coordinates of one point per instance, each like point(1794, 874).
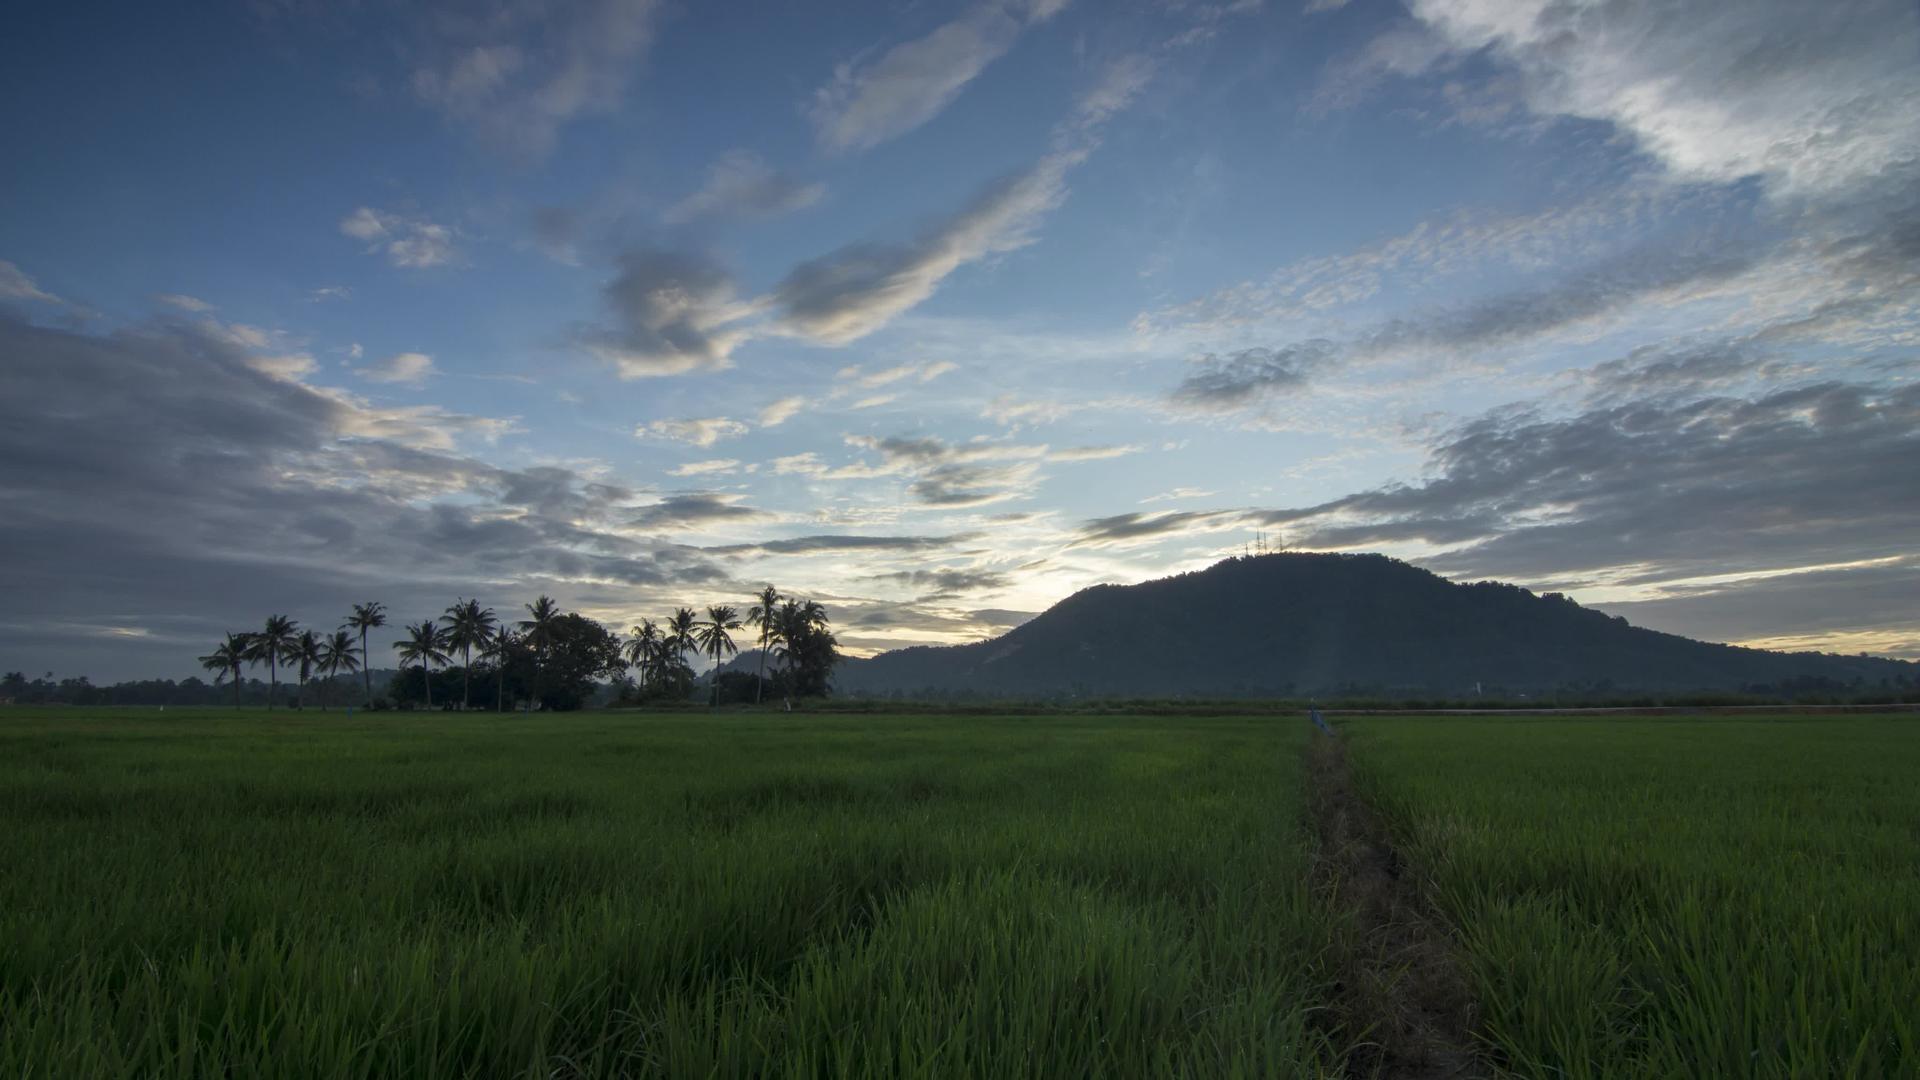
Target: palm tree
point(365, 617)
point(543, 616)
point(497, 647)
point(275, 642)
point(426, 646)
point(468, 624)
point(761, 615)
point(337, 652)
point(797, 626)
point(714, 640)
point(306, 649)
point(680, 627)
point(643, 642)
point(226, 659)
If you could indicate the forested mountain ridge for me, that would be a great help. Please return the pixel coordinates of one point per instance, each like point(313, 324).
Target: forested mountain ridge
point(1294, 624)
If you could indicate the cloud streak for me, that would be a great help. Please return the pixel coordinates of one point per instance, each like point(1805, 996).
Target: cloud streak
point(867, 104)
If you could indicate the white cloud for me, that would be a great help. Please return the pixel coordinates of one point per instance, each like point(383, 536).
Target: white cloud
point(712, 467)
point(16, 285)
point(1815, 98)
point(411, 368)
point(700, 431)
point(779, 412)
point(184, 303)
point(330, 292)
point(740, 184)
point(873, 401)
point(850, 293)
point(910, 84)
point(873, 380)
point(410, 242)
point(1177, 494)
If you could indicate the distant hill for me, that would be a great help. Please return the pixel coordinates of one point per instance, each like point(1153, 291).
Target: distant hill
point(1298, 624)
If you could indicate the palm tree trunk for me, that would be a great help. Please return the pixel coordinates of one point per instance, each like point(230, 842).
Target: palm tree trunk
point(273, 680)
point(426, 677)
point(500, 688)
point(466, 680)
point(366, 666)
point(236, 687)
point(760, 676)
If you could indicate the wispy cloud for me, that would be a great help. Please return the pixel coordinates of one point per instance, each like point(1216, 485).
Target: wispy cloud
point(698, 431)
point(16, 285)
point(868, 103)
point(517, 74)
point(848, 294)
point(411, 368)
point(713, 467)
point(1814, 102)
point(740, 184)
point(408, 241)
point(782, 410)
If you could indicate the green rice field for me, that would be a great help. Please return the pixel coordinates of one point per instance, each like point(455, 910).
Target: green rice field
point(608, 895)
point(1728, 897)
point(212, 893)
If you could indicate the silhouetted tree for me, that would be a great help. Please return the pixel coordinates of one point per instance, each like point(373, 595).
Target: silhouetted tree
point(425, 645)
point(226, 659)
point(714, 640)
point(497, 648)
point(765, 603)
point(365, 617)
point(306, 652)
point(336, 655)
point(468, 624)
point(271, 644)
point(806, 648)
point(537, 630)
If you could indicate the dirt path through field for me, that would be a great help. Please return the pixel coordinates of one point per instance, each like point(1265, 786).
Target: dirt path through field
point(1399, 980)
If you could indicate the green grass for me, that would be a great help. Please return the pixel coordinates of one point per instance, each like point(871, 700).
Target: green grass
point(209, 894)
point(1669, 897)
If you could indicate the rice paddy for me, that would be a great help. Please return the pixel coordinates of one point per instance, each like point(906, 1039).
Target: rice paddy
point(610, 895)
point(223, 894)
point(1660, 897)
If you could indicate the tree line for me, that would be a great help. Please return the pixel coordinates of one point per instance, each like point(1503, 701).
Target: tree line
point(550, 659)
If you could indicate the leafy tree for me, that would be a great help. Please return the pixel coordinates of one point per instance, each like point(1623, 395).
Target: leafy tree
point(806, 648)
point(468, 624)
point(225, 660)
point(425, 645)
point(306, 651)
point(276, 641)
point(579, 653)
point(337, 654)
point(765, 604)
point(713, 639)
point(365, 617)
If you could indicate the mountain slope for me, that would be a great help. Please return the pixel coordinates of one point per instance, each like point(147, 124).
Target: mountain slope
point(1306, 623)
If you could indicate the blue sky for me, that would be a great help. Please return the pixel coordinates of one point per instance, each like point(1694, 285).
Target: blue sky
point(941, 312)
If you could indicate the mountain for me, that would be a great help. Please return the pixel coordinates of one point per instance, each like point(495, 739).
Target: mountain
point(1297, 624)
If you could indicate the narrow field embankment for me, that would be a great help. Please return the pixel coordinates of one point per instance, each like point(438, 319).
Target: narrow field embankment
point(1399, 981)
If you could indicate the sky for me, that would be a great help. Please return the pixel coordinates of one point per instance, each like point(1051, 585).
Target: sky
point(938, 313)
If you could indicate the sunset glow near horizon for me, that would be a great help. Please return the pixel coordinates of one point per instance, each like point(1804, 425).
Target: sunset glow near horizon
point(939, 313)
